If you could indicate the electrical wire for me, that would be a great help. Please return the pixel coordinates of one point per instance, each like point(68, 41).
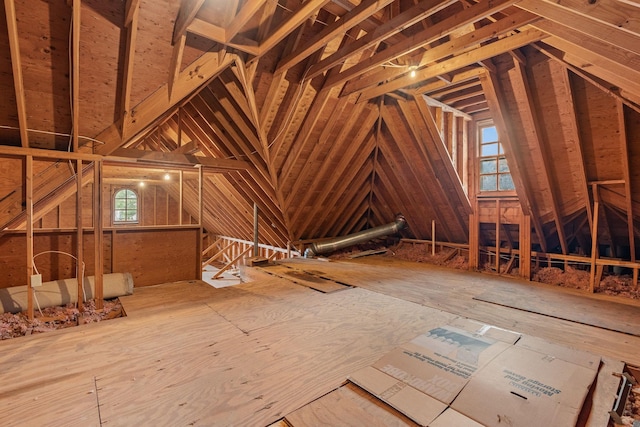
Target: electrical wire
point(78, 270)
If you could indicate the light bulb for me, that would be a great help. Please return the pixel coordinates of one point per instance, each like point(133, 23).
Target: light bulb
point(167, 177)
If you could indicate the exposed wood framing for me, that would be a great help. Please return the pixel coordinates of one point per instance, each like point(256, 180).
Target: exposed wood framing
point(75, 79)
point(392, 26)
point(495, 98)
point(80, 237)
point(188, 11)
point(352, 18)
point(28, 176)
point(16, 64)
point(98, 238)
point(485, 52)
point(594, 238)
point(522, 87)
point(429, 35)
point(626, 173)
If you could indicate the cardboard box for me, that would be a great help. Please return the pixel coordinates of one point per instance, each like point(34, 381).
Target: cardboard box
point(522, 387)
point(422, 377)
point(469, 374)
point(453, 418)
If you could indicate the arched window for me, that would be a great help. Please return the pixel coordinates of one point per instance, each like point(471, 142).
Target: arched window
point(125, 206)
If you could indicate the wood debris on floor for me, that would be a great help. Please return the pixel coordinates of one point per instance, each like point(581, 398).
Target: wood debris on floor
point(60, 317)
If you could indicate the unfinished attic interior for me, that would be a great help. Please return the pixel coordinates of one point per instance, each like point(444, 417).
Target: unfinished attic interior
point(320, 212)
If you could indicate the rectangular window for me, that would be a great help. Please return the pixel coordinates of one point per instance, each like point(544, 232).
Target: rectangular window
point(494, 170)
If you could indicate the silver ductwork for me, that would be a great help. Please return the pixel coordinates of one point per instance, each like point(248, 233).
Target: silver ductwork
point(355, 238)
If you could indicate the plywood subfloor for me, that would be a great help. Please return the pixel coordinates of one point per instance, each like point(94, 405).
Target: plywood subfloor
point(191, 354)
point(609, 315)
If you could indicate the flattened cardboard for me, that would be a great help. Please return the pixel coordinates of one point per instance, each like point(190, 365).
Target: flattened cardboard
point(411, 402)
point(440, 362)
point(452, 418)
point(522, 387)
point(487, 331)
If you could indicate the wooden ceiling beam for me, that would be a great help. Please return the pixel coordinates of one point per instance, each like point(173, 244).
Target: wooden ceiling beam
point(341, 26)
point(392, 26)
point(497, 102)
point(16, 66)
point(188, 11)
point(614, 13)
point(480, 54)
point(431, 34)
point(463, 78)
point(131, 27)
point(308, 9)
point(586, 24)
point(598, 52)
point(176, 63)
point(177, 159)
point(521, 86)
point(250, 8)
point(558, 56)
point(218, 34)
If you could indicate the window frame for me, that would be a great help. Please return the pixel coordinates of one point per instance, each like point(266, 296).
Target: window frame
point(126, 210)
point(498, 158)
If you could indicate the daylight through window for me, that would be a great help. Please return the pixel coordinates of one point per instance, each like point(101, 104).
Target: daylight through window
point(494, 170)
point(125, 206)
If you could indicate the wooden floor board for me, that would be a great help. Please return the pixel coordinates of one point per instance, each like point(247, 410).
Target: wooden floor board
point(254, 353)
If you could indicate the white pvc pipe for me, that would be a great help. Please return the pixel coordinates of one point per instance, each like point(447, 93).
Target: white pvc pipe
point(62, 292)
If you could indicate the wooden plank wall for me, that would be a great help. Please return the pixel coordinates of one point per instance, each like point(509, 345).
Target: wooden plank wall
point(152, 256)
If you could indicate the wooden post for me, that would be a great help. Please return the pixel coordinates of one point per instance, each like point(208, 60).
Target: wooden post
point(474, 231)
point(525, 247)
point(256, 248)
point(594, 237)
point(98, 238)
point(433, 237)
point(498, 236)
point(200, 213)
point(29, 196)
point(79, 234)
point(75, 79)
point(181, 196)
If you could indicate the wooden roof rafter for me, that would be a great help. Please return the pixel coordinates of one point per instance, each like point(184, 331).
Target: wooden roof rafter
point(495, 98)
point(480, 54)
point(409, 155)
point(427, 36)
point(626, 173)
point(521, 84)
point(16, 64)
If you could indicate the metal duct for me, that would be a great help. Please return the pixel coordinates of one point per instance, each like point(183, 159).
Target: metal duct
point(355, 238)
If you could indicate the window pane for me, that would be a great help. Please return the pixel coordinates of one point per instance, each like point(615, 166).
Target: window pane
point(132, 204)
point(506, 183)
point(121, 204)
point(488, 166)
point(489, 134)
point(119, 216)
point(129, 194)
point(489, 150)
point(488, 183)
point(132, 216)
point(503, 166)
